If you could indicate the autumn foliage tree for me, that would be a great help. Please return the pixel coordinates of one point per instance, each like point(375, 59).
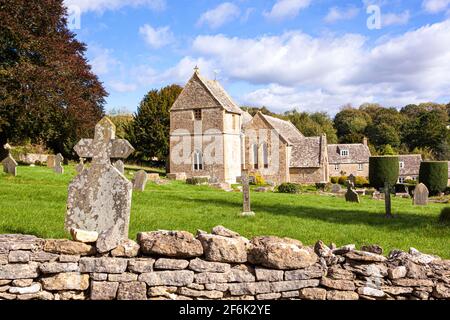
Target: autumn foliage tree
point(48, 93)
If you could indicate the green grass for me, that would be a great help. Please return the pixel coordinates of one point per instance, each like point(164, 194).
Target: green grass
point(34, 203)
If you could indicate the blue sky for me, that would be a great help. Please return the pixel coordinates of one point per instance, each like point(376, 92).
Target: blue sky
point(313, 55)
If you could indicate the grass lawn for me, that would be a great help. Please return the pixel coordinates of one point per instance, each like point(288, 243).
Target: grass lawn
point(34, 203)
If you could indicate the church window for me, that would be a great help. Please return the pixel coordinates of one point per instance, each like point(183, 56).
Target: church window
point(198, 160)
point(198, 114)
point(255, 155)
point(265, 155)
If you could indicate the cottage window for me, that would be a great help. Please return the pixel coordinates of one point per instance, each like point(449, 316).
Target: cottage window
point(402, 164)
point(198, 160)
point(198, 114)
point(344, 153)
point(255, 155)
point(265, 155)
point(401, 180)
point(337, 167)
point(360, 167)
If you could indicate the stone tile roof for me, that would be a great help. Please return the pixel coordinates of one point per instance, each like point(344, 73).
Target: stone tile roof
point(285, 129)
point(412, 164)
point(220, 95)
point(358, 153)
point(246, 118)
point(307, 153)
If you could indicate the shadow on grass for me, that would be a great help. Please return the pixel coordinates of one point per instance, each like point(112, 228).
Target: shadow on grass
point(340, 216)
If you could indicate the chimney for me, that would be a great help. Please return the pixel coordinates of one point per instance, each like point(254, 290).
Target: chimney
point(365, 141)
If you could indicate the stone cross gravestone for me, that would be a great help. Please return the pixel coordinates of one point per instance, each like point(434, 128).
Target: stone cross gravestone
point(59, 169)
point(51, 161)
point(140, 180)
point(80, 166)
point(100, 196)
point(119, 165)
point(421, 194)
point(9, 164)
point(351, 195)
point(246, 195)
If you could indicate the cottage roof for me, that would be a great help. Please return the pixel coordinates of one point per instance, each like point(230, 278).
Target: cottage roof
point(307, 153)
point(412, 164)
point(285, 129)
point(357, 153)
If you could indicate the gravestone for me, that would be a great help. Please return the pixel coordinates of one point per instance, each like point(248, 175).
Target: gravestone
point(80, 166)
point(59, 169)
point(140, 180)
point(351, 195)
point(153, 177)
point(51, 161)
point(336, 188)
point(119, 165)
point(100, 196)
point(421, 194)
point(246, 195)
point(9, 164)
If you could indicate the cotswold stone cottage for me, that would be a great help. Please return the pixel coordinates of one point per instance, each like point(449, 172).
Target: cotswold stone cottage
point(210, 136)
point(347, 159)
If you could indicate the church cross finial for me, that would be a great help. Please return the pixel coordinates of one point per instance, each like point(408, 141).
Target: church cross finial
point(197, 69)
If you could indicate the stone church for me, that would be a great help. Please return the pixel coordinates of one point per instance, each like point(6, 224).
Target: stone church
point(210, 136)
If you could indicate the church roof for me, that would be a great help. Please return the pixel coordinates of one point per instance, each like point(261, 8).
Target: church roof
point(285, 129)
point(357, 153)
point(246, 118)
point(307, 153)
point(220, 95)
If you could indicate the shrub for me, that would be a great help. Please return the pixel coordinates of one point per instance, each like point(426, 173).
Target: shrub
point(257, 180)
point(444, 217)
point(321, 186)
point(289, 188)
point(334, 180)
point(434, 174)
point(383, 169)
point(197, 180)
point(343, 180)
point(410, 182)
point(361, 182)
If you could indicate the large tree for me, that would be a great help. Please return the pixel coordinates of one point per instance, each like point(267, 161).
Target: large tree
point(351, 124)
point(313, 124)
point(151, 125)
point(48, 93)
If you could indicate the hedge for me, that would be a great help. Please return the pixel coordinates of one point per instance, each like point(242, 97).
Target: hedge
point(434, 174)
point(383, 169)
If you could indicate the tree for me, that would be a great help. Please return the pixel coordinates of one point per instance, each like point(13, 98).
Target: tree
point(313, 124)
point(49, 93)
point(151, 124)
point(434, 174)
point(351, 125)
point(383, 173)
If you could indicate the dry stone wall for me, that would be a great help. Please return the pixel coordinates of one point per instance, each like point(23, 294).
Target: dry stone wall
point(176, 265)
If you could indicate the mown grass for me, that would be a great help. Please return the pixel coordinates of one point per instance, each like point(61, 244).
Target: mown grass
point(34, 203)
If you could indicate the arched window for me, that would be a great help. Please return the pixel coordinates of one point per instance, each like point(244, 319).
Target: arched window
point(255, 155)
point(198, 160)
point(265, 151)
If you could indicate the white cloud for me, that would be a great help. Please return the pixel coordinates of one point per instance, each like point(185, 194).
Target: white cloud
point(297, 69)
point(122, 87)
point(286, 9)
point(101, 59)
point(220, 15)
point(104, 5)
point(435, 6)
point(389, 19)
point(336, 14)
point(156, 37)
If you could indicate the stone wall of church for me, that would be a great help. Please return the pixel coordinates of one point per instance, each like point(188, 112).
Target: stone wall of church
point(176, 265)
point(308, 175)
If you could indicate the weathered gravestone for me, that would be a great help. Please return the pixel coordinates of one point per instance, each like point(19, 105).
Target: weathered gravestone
point(119, 165)
point(80, 166)
point(9, 164)
point(351, 195)
point(59, 169)
point(51, 161)
point(100, 196)
point(336, 188)
point(421, 194)
point(246, 195)
point(140, 180)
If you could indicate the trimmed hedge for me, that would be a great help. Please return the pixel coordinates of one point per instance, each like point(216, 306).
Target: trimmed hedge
point(434, 174)
point(383, 169)
point(444, 217)
point(289, 188)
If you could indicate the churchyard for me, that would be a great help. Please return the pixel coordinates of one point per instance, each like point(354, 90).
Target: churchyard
point(34, 202)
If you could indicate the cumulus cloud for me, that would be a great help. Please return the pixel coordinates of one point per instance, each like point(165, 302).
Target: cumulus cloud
point(122, 87)
point(435, 6)
point(220, 15)
point(156, 37)
point(101, 59)
point(286, 9)
point(296, 69)
point(104, 5)
point(389, 19)
point(336, 14)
